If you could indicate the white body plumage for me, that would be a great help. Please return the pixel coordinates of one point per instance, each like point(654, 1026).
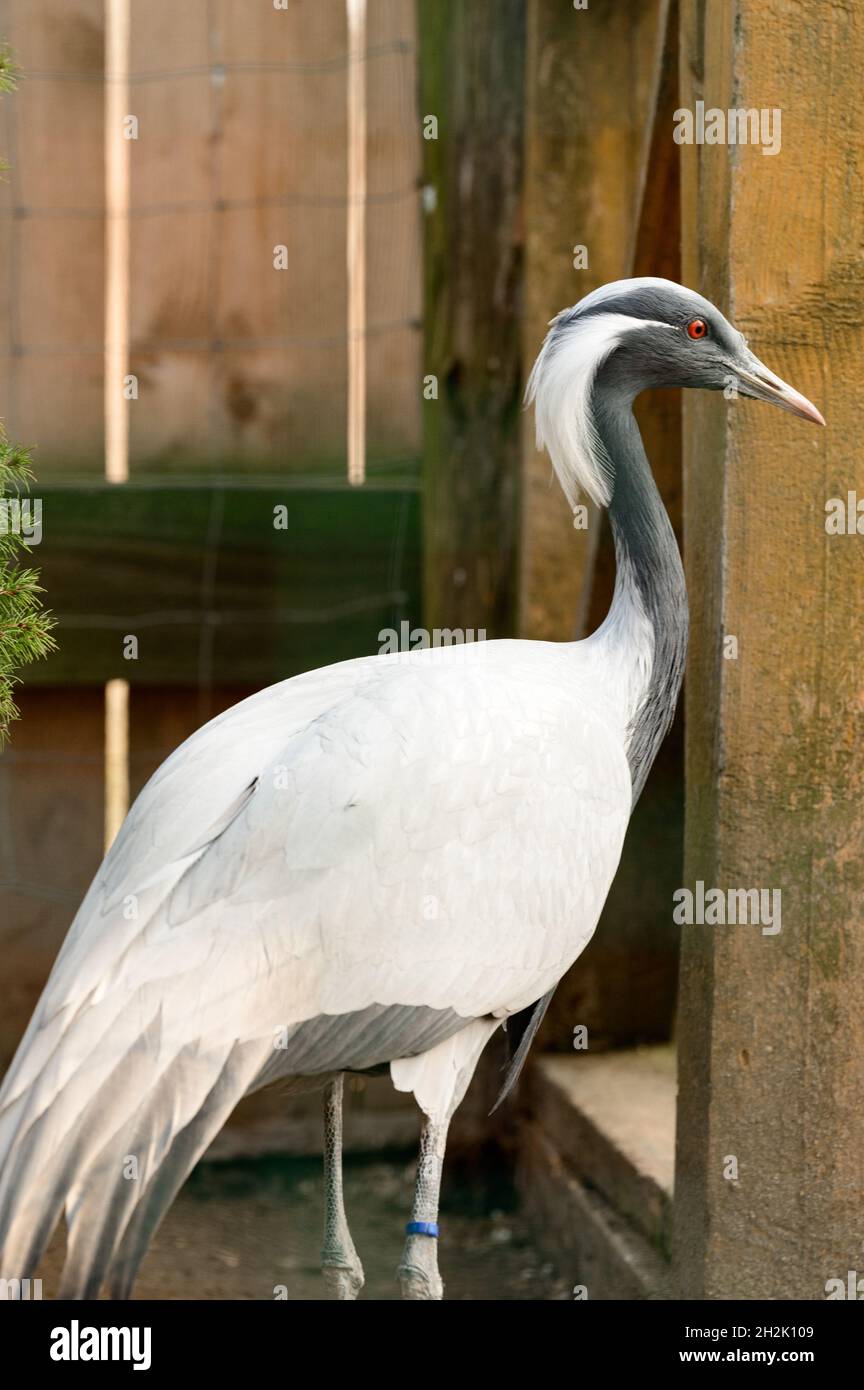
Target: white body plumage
point(435, 829)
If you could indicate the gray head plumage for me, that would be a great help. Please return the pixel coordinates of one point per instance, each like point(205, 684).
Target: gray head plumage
point(639, 333)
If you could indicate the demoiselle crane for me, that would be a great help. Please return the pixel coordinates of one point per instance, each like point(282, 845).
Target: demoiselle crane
point(371, 865)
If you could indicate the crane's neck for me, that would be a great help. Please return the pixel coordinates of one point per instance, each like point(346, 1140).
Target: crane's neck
point(645, 633)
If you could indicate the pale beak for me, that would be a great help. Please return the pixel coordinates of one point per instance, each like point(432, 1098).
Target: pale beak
point(756, 381)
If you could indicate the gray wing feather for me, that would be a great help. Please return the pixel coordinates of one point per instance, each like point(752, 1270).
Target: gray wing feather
point(360, 1040)
point(521, 1029)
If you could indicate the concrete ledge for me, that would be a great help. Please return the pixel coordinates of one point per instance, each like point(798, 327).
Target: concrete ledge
point(590, 1243)
point(597, 1164)
point(612, 1116)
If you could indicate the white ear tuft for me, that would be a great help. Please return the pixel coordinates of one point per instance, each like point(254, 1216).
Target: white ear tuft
point(560, 386)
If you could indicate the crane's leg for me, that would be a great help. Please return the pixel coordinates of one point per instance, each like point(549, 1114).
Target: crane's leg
point(418, 1270)
point(340, 1265)
point(439, 1079)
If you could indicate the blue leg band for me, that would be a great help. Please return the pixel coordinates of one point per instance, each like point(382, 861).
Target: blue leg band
point(422, 1228)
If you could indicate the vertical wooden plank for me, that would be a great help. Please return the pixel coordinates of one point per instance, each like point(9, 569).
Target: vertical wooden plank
point(772, 1026)
point(280, 381)
point(51, 223)
point(394, 274)
point(655, 250)
point(471, 82)
point(592, 78)
point(116, 757)
point(241, 349)
point(117, 162)
point(117, 147)
point(356, 241)
point(178, 90)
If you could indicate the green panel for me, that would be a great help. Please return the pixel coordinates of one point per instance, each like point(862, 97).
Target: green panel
point(212, 590)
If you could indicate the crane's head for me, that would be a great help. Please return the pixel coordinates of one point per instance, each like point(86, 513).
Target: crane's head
point(624, 338)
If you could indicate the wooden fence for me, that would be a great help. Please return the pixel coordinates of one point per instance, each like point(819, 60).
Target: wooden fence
point(236, 553)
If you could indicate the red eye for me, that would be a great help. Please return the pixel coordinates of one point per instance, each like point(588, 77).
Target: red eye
point(697, 328)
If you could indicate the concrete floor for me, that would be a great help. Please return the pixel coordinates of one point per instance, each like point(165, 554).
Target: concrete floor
point(240, 1229)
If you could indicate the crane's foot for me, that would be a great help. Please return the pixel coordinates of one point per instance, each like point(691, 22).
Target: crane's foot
point(343, 1278)
point(418, 1269)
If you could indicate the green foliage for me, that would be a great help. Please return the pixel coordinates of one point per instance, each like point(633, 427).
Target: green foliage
point(9, 73)
point(25, 630)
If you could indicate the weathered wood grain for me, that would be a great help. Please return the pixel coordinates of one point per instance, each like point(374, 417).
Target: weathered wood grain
point(472, 80)
point(52, 270)
point(241, 114)
point(592, 88)
point(771, 1034)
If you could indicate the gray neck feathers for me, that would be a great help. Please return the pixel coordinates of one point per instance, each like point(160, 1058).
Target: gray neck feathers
point(649, 570)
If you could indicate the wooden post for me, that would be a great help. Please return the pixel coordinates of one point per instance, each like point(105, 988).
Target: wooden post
point(116, 757)
point(586, 158)
point(116, 365)
point(471, 83)
point(769, 1177)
